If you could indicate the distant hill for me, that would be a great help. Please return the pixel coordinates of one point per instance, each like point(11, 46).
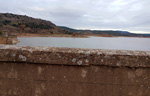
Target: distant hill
point(106, 32)
point(13, 23)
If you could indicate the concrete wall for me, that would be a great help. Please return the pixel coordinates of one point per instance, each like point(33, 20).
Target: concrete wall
point(8, 40)
point(44, 71)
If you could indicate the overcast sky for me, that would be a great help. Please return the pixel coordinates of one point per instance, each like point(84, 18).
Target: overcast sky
point(130, 15)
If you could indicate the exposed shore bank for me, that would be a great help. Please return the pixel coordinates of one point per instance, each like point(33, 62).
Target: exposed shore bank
point(67, 35)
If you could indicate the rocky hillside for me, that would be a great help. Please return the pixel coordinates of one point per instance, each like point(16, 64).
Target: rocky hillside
point(23, 24)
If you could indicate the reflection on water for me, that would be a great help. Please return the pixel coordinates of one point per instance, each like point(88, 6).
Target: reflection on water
point(124, 43)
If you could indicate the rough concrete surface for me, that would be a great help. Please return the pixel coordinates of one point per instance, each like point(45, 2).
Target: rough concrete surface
point(3, 40)
point(8, 40)
point(46, 71)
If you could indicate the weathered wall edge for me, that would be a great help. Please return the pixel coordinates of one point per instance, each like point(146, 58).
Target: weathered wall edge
point(74, 56)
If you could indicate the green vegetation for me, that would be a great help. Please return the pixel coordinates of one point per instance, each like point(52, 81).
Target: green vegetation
point(39, 26)
point(15, 25)
point(31, 25)
point(1, 33)
point(5, 22)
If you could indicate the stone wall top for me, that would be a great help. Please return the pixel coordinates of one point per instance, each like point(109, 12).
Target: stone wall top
point(74, 56)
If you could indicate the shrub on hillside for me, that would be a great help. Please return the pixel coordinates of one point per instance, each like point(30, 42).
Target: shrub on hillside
point(40, 26)
point(15, 25)
point(6, 22)
point(1, 33)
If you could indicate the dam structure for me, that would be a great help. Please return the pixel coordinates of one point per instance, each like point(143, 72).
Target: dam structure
point(50, 71)
point(6, 38)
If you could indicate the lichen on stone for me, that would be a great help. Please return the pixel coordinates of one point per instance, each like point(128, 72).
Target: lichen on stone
point(74, 60)
point(79, 62)
point(23, 58)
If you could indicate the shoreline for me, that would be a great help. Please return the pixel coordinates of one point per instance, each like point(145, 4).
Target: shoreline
point(49, 35)
point(69, 36)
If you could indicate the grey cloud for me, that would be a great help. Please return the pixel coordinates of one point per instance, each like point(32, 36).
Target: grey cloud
point(132, 15)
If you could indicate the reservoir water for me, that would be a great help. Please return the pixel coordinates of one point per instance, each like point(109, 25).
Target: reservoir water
point(117, 43)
